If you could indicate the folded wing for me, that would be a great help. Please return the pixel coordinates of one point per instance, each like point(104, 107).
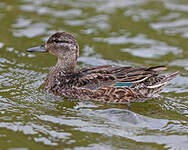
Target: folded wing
point(112, 76)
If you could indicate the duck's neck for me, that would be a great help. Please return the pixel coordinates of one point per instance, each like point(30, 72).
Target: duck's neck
point(65, 65)
point(61, 72)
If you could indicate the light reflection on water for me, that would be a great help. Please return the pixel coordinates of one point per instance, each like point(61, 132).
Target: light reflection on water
point(123, 32)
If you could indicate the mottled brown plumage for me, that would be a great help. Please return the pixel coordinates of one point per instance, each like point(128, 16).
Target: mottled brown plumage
point(103, 83)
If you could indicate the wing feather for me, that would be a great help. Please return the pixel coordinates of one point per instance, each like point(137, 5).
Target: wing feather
point(96, 77)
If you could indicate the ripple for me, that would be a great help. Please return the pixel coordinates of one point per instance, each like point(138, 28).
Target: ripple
point(153, 51)
point(178, 7)
point(91, 58)
point(98, 22)
point(152, 48)
point(45, 140)
point(141, 14)
point(71, 13)
point(31, 30)
point(176, 23)
point(110, 5)
point(22, 22)
point(180, 63)
point(17, 126)
point(179, 26)
point(138, 40)
point(99, 146)
point(171, 141)
point(1, 44)
point(116, 122)
point(170, 16)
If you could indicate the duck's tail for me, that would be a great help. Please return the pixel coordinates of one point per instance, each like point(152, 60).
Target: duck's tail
point(171, 76)
point(152, 86)
point(162, 81)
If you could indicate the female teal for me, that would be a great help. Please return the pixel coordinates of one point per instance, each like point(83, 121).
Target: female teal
point(108, 83)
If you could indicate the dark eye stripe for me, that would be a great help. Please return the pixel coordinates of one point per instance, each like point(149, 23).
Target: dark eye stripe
point(66, 42)
point(58, 41)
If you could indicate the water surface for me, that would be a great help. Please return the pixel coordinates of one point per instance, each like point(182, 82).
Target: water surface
point(121, 32)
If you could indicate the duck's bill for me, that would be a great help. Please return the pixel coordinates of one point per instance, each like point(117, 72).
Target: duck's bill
point(37, 49)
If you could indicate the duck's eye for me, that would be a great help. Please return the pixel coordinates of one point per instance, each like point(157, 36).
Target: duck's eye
point(57, 41)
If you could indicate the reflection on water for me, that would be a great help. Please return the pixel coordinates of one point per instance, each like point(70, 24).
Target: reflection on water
point(123, 32)
point(148, 48)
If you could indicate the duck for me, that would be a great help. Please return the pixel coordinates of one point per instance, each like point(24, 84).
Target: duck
point(107, 83)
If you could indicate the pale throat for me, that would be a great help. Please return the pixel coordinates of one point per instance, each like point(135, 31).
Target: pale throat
point(66, 64)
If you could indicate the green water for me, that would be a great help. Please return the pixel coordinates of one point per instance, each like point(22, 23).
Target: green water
point(118, 32)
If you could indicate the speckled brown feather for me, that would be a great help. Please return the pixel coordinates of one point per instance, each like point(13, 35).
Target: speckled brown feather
point(98, 83)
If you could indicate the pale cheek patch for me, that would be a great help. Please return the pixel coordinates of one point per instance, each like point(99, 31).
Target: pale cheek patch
point(66, 44)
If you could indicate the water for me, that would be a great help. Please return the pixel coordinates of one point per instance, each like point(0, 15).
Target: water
point(122, 32)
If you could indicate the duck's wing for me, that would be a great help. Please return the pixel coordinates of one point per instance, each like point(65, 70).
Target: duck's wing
point(96, 77)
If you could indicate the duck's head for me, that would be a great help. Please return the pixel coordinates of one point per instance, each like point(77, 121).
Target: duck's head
point(61, 44)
